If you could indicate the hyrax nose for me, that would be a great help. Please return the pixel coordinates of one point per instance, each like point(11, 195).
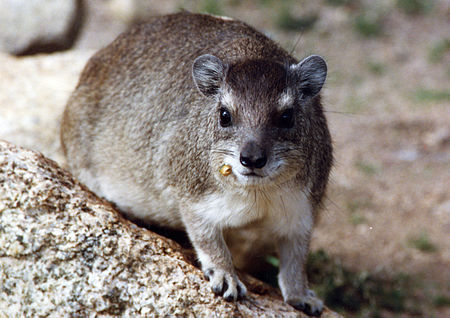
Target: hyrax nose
point(253, 156)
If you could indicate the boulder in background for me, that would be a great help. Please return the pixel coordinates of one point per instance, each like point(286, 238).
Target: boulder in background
point(35, 26)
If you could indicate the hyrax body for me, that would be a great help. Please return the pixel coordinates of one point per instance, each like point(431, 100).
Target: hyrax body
point(156, 115)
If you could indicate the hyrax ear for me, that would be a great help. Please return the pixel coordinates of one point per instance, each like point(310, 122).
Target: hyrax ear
point(208, 73)
point(309, 75)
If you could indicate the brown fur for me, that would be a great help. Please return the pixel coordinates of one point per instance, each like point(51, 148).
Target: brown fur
point(142, 129)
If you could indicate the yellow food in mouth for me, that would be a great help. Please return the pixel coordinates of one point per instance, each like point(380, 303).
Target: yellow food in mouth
point(225, 170)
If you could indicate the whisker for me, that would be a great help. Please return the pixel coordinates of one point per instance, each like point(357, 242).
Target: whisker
point(341, 113)
point(222, 151)
point(297, 41)
point(282, 205)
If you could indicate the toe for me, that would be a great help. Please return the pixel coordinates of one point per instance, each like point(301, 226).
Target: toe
point(230, 296)
point(230, 293)
point(209, 273)
point(217, 283)
point(225, 284)
point(241, 290)
point(309, 304)
point(311, 311)
point(299, 306)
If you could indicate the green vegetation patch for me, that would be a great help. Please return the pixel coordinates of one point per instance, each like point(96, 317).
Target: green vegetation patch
point(359, 292)
point(441, 301)
point(367, 168)
point(272, 260)
point(376, 68)
point(287, 21)
point(438, 51)
point(341, 2)
point(431, 95)
point(422, 242)
point(369, 24)
point(357, 218)
point(211, 6)
point(415, 7)
point(266, 2)
point(359, 203)
point(355, 104)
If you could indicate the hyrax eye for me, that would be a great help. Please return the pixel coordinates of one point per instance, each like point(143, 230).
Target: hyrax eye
point(286, 119)
point(225, 117)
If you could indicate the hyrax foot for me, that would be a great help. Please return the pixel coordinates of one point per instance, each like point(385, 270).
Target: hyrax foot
point(310, 304)
point(225, 284)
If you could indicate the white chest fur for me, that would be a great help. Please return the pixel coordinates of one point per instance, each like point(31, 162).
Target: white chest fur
point(283, 212)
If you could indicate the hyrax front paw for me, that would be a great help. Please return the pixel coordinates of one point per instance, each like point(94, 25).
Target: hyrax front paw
point(225, 284)
point(309, 304)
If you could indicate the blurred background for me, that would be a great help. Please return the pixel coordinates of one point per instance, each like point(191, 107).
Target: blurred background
point(382, 246)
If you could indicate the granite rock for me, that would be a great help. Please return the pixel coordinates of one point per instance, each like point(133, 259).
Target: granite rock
point(65, 252)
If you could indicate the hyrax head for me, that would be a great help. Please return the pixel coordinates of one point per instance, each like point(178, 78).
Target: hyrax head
point(265, 117)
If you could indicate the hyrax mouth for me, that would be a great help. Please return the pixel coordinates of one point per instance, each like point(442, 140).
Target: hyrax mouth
point(226, 170)
point(252, 174)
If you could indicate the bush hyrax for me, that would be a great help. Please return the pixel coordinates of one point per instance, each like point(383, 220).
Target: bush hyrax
point(158, 113)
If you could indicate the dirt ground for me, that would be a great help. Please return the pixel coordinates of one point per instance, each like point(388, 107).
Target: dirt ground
point(387, 99)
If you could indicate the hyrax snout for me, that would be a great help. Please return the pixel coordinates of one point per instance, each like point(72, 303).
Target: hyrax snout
point(253, 156)
point(202, 123)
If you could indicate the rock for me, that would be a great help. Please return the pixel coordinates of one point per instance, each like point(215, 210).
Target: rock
point(65, 252)
point(33, 94)
point(139, 10)
point(100, 25)
point(34, 26)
